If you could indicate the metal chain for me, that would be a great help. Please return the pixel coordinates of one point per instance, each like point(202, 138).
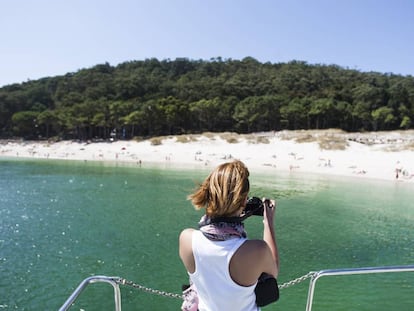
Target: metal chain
point(298, 280)
point(122, 281)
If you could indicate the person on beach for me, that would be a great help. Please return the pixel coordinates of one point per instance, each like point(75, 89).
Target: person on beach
point(398, 170)
point(223, 265)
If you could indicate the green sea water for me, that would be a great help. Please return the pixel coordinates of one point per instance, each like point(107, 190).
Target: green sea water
point(63, 221)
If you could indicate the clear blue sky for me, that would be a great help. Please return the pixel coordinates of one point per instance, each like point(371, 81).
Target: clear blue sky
point(40, 38)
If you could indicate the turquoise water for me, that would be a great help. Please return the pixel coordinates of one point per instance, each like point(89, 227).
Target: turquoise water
point(61, 222)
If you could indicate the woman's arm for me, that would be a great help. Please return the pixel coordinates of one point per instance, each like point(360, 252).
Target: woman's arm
point(257, 256)
point(186, 250)
point(269, 235)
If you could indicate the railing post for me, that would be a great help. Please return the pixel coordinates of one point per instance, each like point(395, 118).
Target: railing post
point(311, 291)
point(94, 279)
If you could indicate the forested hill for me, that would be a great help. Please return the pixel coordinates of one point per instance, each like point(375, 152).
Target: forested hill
point(153, 97)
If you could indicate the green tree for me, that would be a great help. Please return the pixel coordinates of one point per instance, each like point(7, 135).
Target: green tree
point(174, 113)
point(48, 120)
point(206, 112)
point(362, 117)
point(406, 123)
point(294, 114)
point(383, 118)
point(25, 124)
point(134, 120)
point(323, 112)
point(258, 113)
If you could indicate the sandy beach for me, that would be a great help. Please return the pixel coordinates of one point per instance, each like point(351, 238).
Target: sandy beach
point(377, 155)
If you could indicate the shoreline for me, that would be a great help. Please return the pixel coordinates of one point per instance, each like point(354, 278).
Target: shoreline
point(375, 155)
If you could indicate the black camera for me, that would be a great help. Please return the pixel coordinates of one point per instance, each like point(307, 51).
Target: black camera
point(254, 206)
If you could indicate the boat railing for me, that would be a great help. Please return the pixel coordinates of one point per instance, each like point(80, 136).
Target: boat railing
point(314, 277)
point(352, 271)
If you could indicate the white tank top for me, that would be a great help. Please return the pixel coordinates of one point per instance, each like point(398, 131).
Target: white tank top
point(216, 289)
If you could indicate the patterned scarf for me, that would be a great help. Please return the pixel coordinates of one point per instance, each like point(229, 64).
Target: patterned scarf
point(221, 230)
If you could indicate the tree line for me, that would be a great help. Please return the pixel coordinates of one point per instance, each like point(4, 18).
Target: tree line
point(167, 97)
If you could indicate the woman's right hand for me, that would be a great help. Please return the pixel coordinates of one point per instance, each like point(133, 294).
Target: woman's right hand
point(269, 210)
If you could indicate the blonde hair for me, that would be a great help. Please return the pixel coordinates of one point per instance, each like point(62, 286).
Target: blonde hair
point(224, 191)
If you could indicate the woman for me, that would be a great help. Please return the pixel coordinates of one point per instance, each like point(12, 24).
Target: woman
point(223, 265)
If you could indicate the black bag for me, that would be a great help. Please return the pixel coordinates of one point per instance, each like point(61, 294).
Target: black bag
point(267, 290)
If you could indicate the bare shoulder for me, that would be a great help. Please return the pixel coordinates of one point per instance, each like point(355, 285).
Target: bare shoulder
point(248, 262)
point(185, 239)
point(259, 253)
point(186, 235)
point(256, 246)
point(185, 249)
